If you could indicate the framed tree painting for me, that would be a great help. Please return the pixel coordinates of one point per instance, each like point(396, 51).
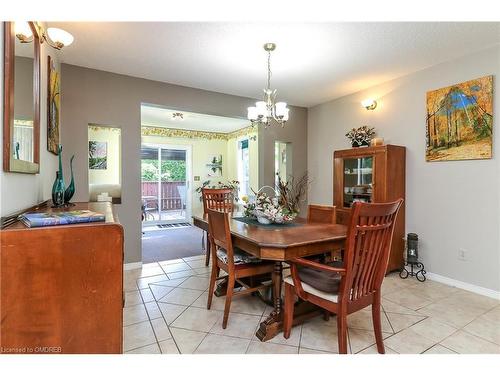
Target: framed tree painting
point(53, 106)
point(460, 121)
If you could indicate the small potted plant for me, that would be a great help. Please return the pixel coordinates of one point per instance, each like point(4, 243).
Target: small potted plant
point(361, 136)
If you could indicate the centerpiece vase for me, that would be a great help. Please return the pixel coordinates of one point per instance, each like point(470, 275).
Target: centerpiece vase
point(70, 190)
point(58, 186)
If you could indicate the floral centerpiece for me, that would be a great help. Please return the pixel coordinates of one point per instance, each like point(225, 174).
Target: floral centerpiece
point(283, 207)
point(361, 136)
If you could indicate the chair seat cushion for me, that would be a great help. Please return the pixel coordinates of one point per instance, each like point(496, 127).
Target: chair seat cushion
point(325, 281)
point(240, 256)
point(332, 297)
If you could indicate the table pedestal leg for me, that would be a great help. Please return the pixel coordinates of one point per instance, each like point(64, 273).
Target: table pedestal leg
point(273, 325)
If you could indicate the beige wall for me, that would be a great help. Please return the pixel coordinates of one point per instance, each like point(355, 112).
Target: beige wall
point(92, 96)
point(451, 205)
point(110, 175)
point(19, 191)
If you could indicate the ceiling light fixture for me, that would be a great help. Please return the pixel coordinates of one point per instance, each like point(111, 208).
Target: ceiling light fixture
point(178, 116)
point(56, 38)
point(267, 110)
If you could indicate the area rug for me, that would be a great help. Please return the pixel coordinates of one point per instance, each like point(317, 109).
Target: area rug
point(160, 245)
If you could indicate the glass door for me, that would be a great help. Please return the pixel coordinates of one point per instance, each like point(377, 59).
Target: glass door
point(165, 190)
point(358, 180)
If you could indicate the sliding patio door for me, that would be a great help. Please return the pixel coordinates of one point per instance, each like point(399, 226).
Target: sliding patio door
point(165, 185)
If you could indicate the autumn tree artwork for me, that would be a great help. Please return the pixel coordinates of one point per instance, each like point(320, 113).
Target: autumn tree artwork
point(460, 121)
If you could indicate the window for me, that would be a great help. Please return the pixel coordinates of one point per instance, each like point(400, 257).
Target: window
point(243, 167)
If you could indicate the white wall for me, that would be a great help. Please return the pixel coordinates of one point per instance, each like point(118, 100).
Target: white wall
point(18, 190)
point(451, 205)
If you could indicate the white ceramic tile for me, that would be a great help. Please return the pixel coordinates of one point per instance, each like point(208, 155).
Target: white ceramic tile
point(200, 263)
point(197, 319)
point(172, 261)
point(408, 342)
point(433, 329)
point(175, 267)
point(362, 319)
point(408, 300)
point(153, 310)
point(439, 349)
point(216, 344)
point(320, 335)
point(168, 347)
point(312, 351)
point(138, 335)
point(181, 296)
point(134, 314)
point(195, 282)
point(148, 349)
point(493, 314)
point(360, 339)
point(159, 291)
point(181, 274)
point(132, 298)
point(373, 350)
point(144, 282)
point(257, 347)
point(485, 328)
point(466, 343)
point(160, 329)
point(193, 258)
point(389, 306)
point(171, 283)
point(170, 312)
point(402, 321)
point(238, 325)
point(456, 316)
point(186, 340)
point(147, 296)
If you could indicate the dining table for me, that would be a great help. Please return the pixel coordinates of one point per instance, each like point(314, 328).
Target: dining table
point(280, 243)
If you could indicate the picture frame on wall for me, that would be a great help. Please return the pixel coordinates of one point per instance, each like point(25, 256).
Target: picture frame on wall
point(53, 106)
point(459, 124)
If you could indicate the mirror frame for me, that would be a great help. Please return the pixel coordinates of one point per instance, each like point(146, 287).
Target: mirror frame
point(9, 163)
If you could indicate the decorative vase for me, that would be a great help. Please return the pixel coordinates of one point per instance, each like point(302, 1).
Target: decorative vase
point(58, 186)
point(70, 190)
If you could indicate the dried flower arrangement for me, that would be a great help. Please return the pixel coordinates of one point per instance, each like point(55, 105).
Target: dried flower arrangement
point(361, 136)
point(283, 207)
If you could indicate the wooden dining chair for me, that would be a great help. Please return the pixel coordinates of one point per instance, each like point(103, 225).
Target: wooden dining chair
point(321, 214)
point(346, 288)
point(234, 261)
point(324, 215)
point(216, 199)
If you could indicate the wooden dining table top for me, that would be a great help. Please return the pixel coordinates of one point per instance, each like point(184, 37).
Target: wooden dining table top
point(283, 242)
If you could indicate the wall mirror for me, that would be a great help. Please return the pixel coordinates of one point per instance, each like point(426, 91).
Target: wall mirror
point(282, 161)
point(21, 121)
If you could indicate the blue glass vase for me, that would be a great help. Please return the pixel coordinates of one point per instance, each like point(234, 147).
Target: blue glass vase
point(58, 186)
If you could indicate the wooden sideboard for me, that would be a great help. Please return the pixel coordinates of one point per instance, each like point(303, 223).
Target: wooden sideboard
point(62, 286)
point(381, 170)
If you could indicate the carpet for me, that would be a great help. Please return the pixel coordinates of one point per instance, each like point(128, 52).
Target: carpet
point(160, 245)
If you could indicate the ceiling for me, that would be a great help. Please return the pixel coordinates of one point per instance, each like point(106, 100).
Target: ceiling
point(163, 117)
point(313, 62)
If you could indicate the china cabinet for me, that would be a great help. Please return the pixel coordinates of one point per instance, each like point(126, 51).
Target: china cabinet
point(372, 174)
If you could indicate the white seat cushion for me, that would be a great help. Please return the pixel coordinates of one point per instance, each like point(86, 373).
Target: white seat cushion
point(309, 289)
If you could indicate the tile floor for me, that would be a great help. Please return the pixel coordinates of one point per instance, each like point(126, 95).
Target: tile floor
point(165, 312)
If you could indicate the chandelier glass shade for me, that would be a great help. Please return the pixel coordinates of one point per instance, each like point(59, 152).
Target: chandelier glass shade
point(267, 111)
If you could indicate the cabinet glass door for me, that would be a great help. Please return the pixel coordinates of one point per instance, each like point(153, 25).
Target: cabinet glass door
point(358, 180)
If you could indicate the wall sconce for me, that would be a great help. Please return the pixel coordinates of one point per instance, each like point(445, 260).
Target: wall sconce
point(56, 38)
point(369, 104)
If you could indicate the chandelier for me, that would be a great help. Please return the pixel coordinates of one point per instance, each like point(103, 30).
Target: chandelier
point(268, 110)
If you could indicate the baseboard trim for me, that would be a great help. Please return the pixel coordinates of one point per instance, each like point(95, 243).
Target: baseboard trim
point(132, 266)
point(462, 285)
